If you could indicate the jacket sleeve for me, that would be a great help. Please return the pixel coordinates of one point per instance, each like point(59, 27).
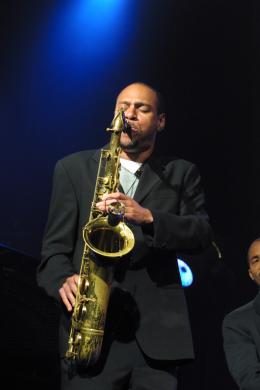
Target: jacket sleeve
point(60, 234)
point(188, 230)
point(241, 355)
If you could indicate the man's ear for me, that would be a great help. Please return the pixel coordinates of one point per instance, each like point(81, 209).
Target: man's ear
point(161, 122)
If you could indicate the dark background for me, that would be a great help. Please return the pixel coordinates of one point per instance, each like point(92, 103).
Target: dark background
point(54, 100)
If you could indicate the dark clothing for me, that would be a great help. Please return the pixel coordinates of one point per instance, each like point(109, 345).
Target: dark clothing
point(241, 334)
point(152, 306)
point(125, 368)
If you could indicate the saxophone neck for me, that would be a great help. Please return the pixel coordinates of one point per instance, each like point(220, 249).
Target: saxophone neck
point(119, 123)
point(116, 128)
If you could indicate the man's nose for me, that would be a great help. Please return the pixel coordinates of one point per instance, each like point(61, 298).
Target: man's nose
point(130, 112)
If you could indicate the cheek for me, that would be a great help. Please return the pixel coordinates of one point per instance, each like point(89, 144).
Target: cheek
point(149, 126)
point(255, 271)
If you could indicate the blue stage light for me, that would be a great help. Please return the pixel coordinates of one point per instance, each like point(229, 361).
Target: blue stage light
point(80, 46)
point(91, 31)
point(185, 273)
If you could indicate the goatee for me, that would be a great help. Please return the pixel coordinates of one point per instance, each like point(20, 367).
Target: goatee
point(130, 147)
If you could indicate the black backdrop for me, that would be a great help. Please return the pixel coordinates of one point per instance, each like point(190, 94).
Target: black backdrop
point(204, 57)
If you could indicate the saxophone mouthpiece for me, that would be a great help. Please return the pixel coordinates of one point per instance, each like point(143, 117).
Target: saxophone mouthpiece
point(126, 127)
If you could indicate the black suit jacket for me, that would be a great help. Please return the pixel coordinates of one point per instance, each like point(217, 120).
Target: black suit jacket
point(241, 334)
point(147, 281)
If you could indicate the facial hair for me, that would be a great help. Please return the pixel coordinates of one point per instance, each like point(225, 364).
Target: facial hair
point(130, 146)
point(137, 143)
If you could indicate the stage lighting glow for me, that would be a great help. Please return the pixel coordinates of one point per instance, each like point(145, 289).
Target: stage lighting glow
point(91, 30)
point(83, 40)
point(79, 48)
point(185, 273)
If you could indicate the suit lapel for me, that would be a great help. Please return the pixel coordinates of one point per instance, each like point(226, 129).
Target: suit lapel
point(148, 179)
point(152, 172)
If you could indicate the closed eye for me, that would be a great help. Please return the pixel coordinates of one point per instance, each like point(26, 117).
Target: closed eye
point(254, 259)
point(144, 109)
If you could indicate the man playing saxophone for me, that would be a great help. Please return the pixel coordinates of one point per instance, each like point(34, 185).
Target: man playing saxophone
point(147, 331)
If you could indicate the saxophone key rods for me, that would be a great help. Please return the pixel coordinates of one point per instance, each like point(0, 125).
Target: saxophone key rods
point(107, 238)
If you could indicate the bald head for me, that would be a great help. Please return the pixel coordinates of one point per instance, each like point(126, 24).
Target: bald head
point(159, 100)
point(252, 249)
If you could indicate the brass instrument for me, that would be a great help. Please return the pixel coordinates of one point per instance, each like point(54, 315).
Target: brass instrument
point(106, 239)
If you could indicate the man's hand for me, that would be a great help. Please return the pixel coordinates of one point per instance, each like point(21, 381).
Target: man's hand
point(134, 213)
point(68, 291)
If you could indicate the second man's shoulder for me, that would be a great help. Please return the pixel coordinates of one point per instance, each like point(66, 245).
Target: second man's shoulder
point(241, 313)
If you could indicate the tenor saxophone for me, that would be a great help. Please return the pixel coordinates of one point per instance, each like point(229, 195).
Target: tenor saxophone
point(107, 239)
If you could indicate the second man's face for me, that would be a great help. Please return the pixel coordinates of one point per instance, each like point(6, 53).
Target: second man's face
point(254, 261)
